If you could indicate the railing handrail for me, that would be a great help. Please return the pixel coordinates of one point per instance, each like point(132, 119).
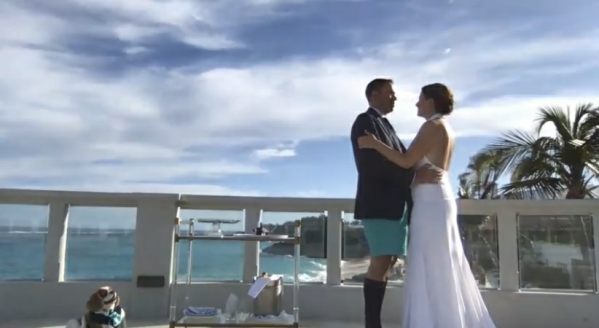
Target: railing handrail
point(159, 210)
point(273, 203)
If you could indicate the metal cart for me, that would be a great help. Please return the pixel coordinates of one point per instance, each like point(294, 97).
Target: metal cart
point(180, 320)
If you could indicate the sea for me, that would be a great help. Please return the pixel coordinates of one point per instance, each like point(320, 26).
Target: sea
point(102, 254)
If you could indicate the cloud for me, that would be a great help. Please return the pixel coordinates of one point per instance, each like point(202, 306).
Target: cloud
point(510, 112)
point(311, 194)
point(135, 50)
point(209, 25)
point(269, 153)
point(64, 121)
point(120, 186)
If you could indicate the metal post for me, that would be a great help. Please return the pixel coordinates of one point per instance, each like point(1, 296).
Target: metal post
point(296, 264)
point(54, 265)
point(174, 273)
point(507, 230)
point(595, 218)
point(334, 236)
point(251, 264)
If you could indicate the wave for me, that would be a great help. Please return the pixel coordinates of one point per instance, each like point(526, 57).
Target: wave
point(26, 232)
point(313, 276)
point(319, 265)
point(317, 275)
point(101, 233)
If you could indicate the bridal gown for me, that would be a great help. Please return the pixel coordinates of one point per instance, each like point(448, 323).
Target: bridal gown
point(440, 290)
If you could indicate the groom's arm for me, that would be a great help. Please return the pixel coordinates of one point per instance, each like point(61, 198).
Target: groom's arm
point(368, 161)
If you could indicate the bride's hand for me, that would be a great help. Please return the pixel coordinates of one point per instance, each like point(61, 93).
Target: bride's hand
point(368, 141)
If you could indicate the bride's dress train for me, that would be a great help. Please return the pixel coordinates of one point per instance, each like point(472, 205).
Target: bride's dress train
point(440, 290)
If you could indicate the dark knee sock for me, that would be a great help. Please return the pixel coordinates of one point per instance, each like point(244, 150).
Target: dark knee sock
point(374, 293)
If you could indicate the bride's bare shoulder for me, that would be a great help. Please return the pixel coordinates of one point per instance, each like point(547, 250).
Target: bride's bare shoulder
point(432, 126)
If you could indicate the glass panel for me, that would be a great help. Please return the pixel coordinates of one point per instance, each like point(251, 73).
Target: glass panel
point(277, 258)
point(355, 254)
point(212, 260)
point(100, 243)
point(23, 232)
point(479, 238)
point(556, 252)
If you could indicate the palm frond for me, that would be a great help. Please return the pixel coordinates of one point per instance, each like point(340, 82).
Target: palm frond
point(480, 181)
point(534, 188)
point(590, 191)
point(559, 118)
point(582, 111)
point(593, 144)
point(590, 124)
point(464, 190)
point(564, 165)
point(587, 184)
point(593, 166)
point(511, 148)
point(489, 191)
point(548, 148)
point(530, 167)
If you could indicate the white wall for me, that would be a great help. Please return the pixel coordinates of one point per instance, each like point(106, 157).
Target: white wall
point(56, 298)
point(321, 302)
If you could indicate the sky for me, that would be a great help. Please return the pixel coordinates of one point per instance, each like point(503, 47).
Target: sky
point(257, 97)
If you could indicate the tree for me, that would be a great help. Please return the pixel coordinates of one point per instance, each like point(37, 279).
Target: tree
point(564, 165)
point(480, 181)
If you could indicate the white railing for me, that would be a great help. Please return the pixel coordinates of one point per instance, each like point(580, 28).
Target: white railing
point(155, 227)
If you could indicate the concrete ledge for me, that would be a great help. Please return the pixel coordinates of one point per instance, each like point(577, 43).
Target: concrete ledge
point(318, 302)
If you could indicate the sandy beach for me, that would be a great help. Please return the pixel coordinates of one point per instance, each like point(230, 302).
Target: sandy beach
point(354, 270)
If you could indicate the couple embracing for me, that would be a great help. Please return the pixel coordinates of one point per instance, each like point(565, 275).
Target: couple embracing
point(406, 204)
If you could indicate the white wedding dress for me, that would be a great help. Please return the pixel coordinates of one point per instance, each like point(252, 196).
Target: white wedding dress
point(440, 290)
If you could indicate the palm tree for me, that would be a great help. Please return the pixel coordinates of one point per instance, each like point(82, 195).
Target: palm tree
point(565, 165)
point(480, 181)
point(593, 142)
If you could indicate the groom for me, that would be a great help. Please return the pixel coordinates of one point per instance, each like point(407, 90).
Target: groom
point(383, 198)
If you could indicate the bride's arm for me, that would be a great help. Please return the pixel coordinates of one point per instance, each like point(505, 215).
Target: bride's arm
point(418, 149)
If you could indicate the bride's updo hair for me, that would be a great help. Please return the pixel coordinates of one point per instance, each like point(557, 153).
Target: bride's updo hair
point(441, 95)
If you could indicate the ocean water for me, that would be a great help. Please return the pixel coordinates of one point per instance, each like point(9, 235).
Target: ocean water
point(108, 255)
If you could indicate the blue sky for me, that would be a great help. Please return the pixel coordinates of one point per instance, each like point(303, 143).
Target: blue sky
point(257, 97)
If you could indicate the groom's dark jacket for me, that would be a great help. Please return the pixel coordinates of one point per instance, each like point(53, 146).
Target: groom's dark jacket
point(383, 187)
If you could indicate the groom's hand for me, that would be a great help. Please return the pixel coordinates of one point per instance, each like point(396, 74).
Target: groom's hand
point(427, 174)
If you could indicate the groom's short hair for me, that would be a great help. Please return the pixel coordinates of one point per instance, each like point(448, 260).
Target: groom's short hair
point(375, 85)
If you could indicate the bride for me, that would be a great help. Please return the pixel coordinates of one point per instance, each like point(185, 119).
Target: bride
point(440, 290)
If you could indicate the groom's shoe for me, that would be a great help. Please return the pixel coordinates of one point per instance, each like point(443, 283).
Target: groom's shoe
point(374, 293)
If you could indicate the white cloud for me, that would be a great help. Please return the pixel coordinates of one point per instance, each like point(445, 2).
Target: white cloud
point(311, 194)
point(510, 112)
point(268, 153)
point(209, 25)
point(136, 32)
point(120, 186)
point(57, 119)
point(26, 26)
point(132, 51)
